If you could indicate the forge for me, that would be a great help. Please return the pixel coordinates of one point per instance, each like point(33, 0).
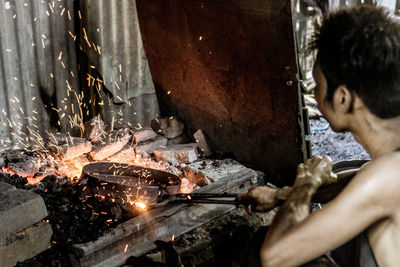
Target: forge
point(117, 106)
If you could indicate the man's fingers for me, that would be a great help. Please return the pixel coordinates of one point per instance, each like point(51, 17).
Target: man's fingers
point(300, 168)
point(263, 208)
point(248, 209)
point(328, 158)
point(244, 197)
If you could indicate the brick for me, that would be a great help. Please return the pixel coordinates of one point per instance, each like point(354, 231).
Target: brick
point(20, 209)
point(114, 143)
point(202, 143)
point(5, 187)
point(183, 153)
point(25, 244)
point(213, 170)
point(151, 145)
point(70, 147)
point(144, 135)
point(126, 155)
point(182, 139)
point(169, 127)
point(94, 130)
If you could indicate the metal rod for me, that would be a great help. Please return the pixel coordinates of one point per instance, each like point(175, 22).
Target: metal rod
point(206, 195)
point(209, 201)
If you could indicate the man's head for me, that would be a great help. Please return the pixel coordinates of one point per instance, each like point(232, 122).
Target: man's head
point(359, 48)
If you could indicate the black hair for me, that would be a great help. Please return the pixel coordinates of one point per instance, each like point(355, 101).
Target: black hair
point(359, 47)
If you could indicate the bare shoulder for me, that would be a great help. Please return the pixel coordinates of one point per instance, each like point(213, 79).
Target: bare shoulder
point(383, 171)
point(377, 184)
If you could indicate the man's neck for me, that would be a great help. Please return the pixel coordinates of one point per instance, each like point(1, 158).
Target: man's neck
point(378, 136)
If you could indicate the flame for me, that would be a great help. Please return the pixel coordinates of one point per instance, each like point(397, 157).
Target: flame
point(73, 167)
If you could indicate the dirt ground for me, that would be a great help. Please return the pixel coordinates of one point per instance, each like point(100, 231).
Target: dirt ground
point(338, 146)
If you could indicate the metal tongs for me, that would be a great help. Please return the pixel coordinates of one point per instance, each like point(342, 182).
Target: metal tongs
point(210, 198)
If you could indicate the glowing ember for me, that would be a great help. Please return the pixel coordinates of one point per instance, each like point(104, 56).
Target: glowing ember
point(140, 205)
point(186, 186)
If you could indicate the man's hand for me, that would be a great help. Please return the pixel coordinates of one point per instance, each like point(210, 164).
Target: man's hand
point(316, 171)
point(262, 198)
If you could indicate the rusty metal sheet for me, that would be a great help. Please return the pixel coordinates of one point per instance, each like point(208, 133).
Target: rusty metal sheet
point(229, 68)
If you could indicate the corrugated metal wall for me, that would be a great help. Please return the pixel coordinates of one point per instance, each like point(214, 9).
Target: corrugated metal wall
point(46, 66)
point(111, 40)
point(38, 68)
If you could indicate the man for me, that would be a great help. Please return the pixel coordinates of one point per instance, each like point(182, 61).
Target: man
point(357, 77)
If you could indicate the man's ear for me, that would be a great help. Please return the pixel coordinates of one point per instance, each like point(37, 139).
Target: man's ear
point(343, 99)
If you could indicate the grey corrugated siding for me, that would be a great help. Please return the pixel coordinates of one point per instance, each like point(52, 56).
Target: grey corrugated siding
point(114, 26)
point(32, 36)
point(38, 65)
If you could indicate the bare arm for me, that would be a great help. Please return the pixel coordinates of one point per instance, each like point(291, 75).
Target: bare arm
point(265, 198)
point(310, 175)
point(296, 238)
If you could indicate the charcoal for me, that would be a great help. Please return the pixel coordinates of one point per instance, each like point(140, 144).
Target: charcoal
point(15, 155)
point(14, 180)
point(21, 162)
point(75, 214)
point(27, 168)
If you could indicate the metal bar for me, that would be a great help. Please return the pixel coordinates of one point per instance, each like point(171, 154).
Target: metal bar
point(206, 195)
point(209, 201)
